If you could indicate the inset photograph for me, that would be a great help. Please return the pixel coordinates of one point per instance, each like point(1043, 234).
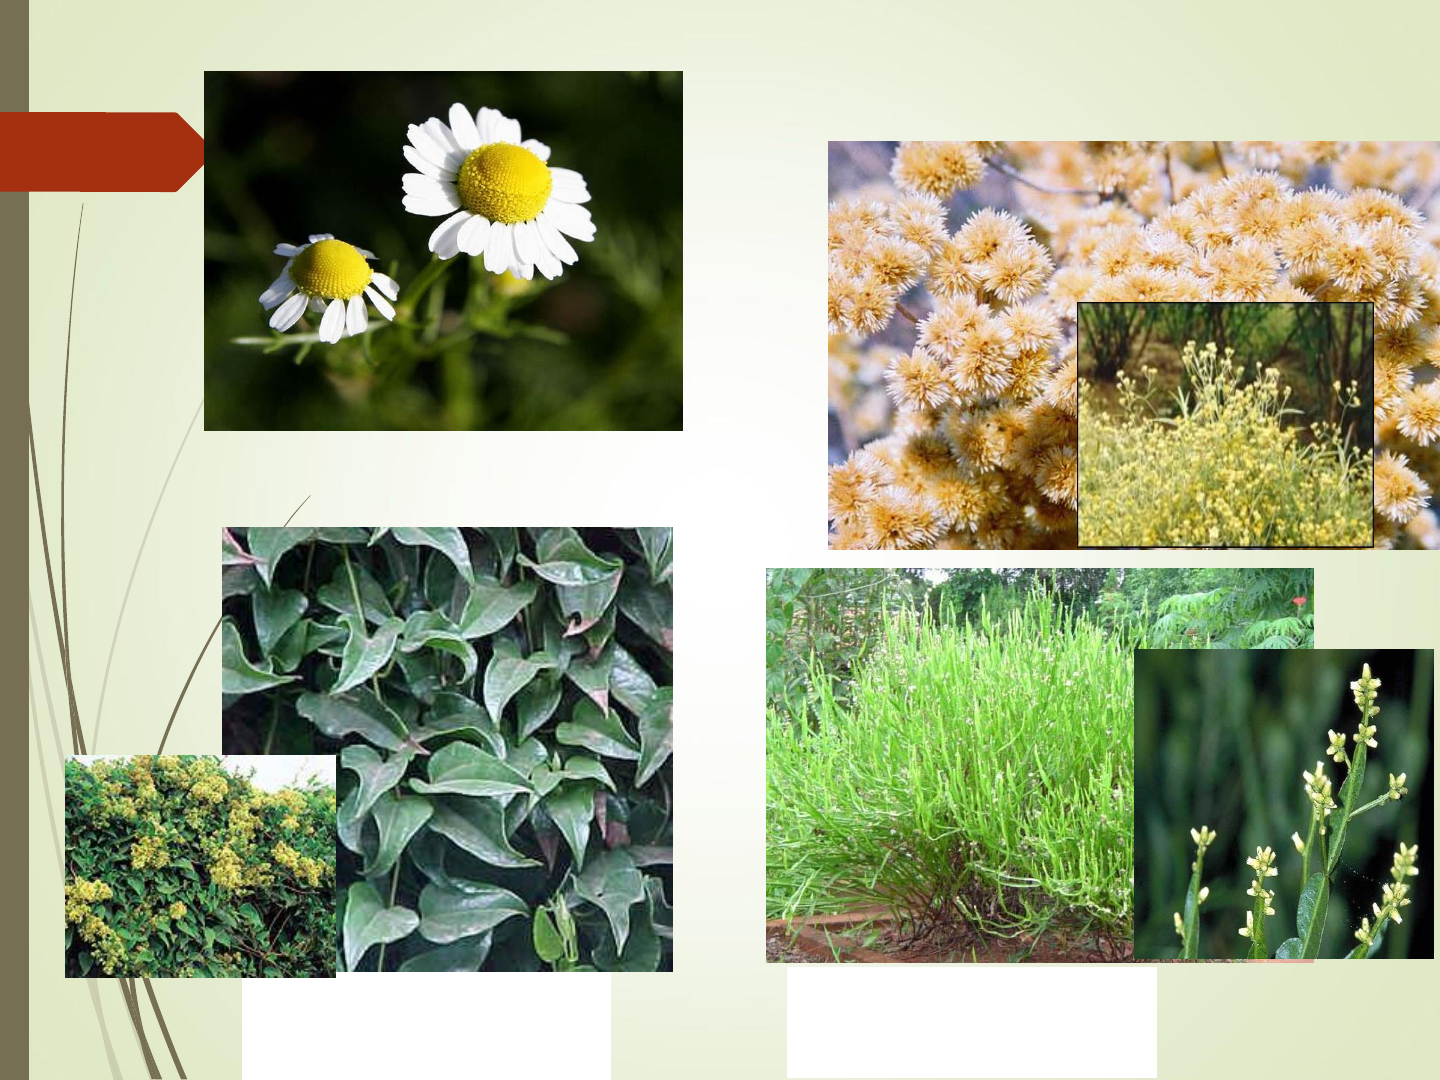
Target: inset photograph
point(188, 867)
point(432, 250)
point(1284, 804)
point(1226, 425)
point(501, 703)
point(955, 271)
point(949, 753)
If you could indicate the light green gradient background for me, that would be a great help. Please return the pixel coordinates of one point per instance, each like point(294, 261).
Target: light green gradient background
point(767, 85)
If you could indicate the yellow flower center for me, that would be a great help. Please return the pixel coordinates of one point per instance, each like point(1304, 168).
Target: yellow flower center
point(504, 182)
point(331, 268)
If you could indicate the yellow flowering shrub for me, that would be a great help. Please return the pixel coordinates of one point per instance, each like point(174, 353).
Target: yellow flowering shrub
point(176, 869)
point(953, 286)
point(1223, 471)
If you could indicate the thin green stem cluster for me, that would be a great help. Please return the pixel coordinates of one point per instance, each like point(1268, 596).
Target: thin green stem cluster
point(981, 774)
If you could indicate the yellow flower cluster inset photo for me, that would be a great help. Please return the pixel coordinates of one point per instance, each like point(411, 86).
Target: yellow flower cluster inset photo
point(1260, 437)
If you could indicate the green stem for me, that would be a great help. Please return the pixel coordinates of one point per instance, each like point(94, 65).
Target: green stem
point(1371, 805)
point(412, 295)
point(394, 881)
point(274, 722)
point(1305, 855)
point(359, 611)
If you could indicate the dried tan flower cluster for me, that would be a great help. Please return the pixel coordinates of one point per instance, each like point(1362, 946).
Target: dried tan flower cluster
point(981, 452)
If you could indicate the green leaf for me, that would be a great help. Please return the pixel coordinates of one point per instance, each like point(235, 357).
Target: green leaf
point(275, 611)
point(268, 545)
point(478, 826)
point(363, 655)
point(537, 702)
point(507, 543)
point(302, 639)
point(631, 683)
point(368, 922)
point(565, 560)
point(656, 543)
point(548, 944)
point(601, 732)
point(447, 915)
point(463, 769)
point(359, 711)
point(1310, 914)
point(398, 819)
point(464, 955)
point(1290, 949)
point(237, 674)
point(656, 734)
point(572, 806)
point(492, 606)
point(1190, 925)
point(336, 595)
point(642, 948)
point(505, 676)
point(613, 884)
point(585, 767)
point(377, 775)
point(433, 630)
point(592, 676)
point(648, 607)
point(453, 714)
point(449, 542)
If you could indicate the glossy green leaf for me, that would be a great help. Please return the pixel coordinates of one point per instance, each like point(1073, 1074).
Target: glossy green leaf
point(492, 606)
point(507, 543)
point(275, 611)
point(360, 712)
point(631, 684)
point(377, 775)
point(368, 922)
point(453, 714)
point(565, 560)
point(537, 702)
point(547, 941)
point(572, 806)
point(464, 955)
point(656, 544)
point(364, 655)
point(477, 826)
point(592, 676)
point(449, 542)
point(463, 769)
point(582, 766)
point(656, 734)
point(505, 676)
point(613, 884)
point(642, 948)
point(432, 629)
point(1310, 914)
point(398, 818)
point(649, 607)
point(447, 915)
point(269, 545)
point(337, 596)
point(1290, 949)
point(302, 639)
point(601, 732)
point(237, 674)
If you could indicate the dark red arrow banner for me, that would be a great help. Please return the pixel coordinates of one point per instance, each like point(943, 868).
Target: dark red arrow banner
point(97, 151)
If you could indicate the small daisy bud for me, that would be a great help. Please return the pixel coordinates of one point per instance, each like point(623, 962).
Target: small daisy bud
point(1299, 844)
point(1179, 926)
point(1249, 926)
point(1397, 786)
point(1204, 892)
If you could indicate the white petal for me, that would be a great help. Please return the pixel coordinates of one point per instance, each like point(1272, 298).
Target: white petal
point(444, 156)
point(462, 124)
point(498, 248)
point(381, 304)
point(473, 234)
point(545, 258)
point(315, 238)
point(355, 319)
point(507, 130)
point(570, 219)
point(441, 133)
point(317, 305)
point(279, 289)
point(386, 284)
point(427, 207)
point(367, 254)
point(425, 165)
point(538, 148)
point(428, 187)
point(333, 324)
point(526, 242)
point(289, 313)
point(289, 249)
point(485, 121)
point(444, 241)
point(568, 175)
point(552, 239)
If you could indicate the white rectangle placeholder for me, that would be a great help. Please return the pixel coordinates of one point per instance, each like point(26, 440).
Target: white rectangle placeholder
point(536, 1025)
point(963, 1020)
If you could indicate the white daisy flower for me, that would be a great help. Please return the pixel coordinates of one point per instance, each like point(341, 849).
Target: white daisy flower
point(330, 276)
point(502, 198)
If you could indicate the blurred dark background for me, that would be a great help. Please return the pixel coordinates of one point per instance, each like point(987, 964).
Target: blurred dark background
point(289, 154)
point(1221, 738)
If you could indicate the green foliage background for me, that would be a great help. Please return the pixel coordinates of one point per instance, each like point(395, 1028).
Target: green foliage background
point(292, 154)
point(1221, 738)
point(503, 715)
point(274, 924)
